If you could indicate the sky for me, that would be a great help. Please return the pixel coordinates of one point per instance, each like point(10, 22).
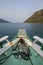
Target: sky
point(18, 11)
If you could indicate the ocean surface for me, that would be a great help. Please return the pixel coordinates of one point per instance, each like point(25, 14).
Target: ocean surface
point(11, 29)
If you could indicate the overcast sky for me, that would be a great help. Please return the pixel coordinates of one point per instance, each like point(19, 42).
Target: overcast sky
point(19, 10)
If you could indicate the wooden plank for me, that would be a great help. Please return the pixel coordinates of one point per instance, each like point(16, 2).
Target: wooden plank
point(22, 33)
point(7, 46)
point(38, 39)
point(35, 46)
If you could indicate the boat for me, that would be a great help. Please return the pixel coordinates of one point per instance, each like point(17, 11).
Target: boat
point(21, 42)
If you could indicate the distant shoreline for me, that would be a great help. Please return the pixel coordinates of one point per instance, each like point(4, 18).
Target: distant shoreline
point(37, 17)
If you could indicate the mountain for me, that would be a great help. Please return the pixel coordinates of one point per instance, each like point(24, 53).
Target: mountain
point(37, 17)
point(4, 21)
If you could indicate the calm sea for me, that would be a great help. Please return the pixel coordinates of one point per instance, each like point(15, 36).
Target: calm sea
point(11, 29)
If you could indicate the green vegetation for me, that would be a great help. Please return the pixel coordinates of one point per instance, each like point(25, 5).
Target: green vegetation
point(37, 17)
